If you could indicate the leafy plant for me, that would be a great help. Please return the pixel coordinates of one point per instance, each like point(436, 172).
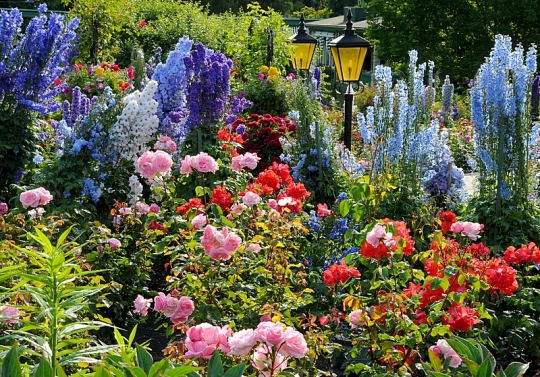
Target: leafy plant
point(58, 292)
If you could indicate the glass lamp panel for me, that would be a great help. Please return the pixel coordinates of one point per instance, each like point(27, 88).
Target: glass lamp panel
point(303, 53)
point(352, 60)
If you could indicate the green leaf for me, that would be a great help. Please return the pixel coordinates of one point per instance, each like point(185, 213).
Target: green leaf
point(182, 371)
point(236, 371)
point(136, 371)
point(10, 365)
point(435, 360)
point(516, 369)
point(486, 368)
point(345, 207)
point(144, 359)
point(215, 368)
point(44, 369)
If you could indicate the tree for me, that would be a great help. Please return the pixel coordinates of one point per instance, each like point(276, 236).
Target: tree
point(455, 34)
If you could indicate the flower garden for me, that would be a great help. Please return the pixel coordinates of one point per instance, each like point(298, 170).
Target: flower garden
point(208, 196)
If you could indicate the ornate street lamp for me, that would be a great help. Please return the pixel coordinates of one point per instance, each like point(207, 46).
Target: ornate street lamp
point(349, 52)
point(304, 47)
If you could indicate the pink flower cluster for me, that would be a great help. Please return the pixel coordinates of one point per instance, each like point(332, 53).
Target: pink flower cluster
point(165, 143)
point(247, 160)
point(202, 340)
point(35, 197)
point(270, 339)
point(468, 229)
point(203, 163)
point(10, 315)
point(443, 348)
point(151, 163)
point(219, 245)
point(178, 310)
point(3, 208)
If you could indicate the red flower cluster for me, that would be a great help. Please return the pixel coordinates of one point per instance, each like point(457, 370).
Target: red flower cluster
point(222, 198)
point(124, 85)
point(502, 277)
point(271, 180)
point(381, 250)
point(461, 318)
point(192, 203)
point(263, 133)
point(154, 225)
point(339, 273)
point(446, 219)
point(112, 66)
point(525, 254)
point(224, 135)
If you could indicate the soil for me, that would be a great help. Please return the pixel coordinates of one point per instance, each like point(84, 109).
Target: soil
point(147, 332)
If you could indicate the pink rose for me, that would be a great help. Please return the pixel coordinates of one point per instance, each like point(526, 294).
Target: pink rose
point(358, 318)
point(185, 306)
point(219, 253)
point(30, 198)
point(204, 163)
point(255, 248)
point(162, 161)
point(468, 229)
point(242, 342)
point(114, 243)
point(250, 199)
point(145, 165)
point(295, 345)
point(141, 305)
point(263, 364)
point(198, 349)
point(235, 164)
point(249, 160)
point(154, 208)
point(237, 209)
point(272, 203)
point(3, 208)
point(142, 207)
point(199, 221)
point(232, 242)
point(185, 166)
point(165, 143)
point(171, 308)
point(271, 333)
point(443, 348)
point(379, 233)
point(124, 211)
point(265, 318)
point(208, 239)
point(161, 301)
point(44, 196)
point(10, 314)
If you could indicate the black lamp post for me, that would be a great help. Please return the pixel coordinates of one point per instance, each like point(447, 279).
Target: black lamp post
point(349, 52)
point(304, 47)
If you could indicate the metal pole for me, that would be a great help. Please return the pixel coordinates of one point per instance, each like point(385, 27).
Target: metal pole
point(349, 95)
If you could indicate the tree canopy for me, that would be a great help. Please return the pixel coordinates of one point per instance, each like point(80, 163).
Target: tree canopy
point(455, 34)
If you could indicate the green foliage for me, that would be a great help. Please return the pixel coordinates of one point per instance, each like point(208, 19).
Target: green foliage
point(101, 23)
point(59, 291)
point(446, 30)
point(479, 362)
point(309, 12)
point(18, 141)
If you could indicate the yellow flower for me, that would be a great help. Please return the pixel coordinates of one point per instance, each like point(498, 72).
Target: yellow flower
point(273, 71)
point(263, 69)
point(272, 77)
point(100, 71)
